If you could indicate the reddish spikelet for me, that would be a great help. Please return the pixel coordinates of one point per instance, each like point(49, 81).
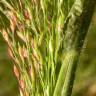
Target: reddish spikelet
point(21, 27)
point(10, 52)
point(23, 52)
point(27, 14)
point(13, 21)
point(5, 35)
point(22, 84)
point(32, 44)
point(32, 73)
point(17, 74)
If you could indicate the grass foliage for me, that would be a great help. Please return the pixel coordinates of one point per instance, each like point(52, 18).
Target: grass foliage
point(43, 38)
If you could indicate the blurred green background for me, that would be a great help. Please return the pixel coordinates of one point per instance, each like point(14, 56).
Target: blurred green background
point(8, 83)
point(85, 81)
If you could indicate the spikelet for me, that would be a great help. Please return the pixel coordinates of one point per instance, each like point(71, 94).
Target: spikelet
point(13, 20)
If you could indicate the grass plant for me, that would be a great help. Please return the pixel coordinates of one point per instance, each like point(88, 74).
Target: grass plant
point(45, 38)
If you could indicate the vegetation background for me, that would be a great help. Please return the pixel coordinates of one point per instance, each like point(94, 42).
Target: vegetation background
point(85, 82)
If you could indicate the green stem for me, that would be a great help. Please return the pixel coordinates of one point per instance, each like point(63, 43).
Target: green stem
point(76, 27)
point(65, 71)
